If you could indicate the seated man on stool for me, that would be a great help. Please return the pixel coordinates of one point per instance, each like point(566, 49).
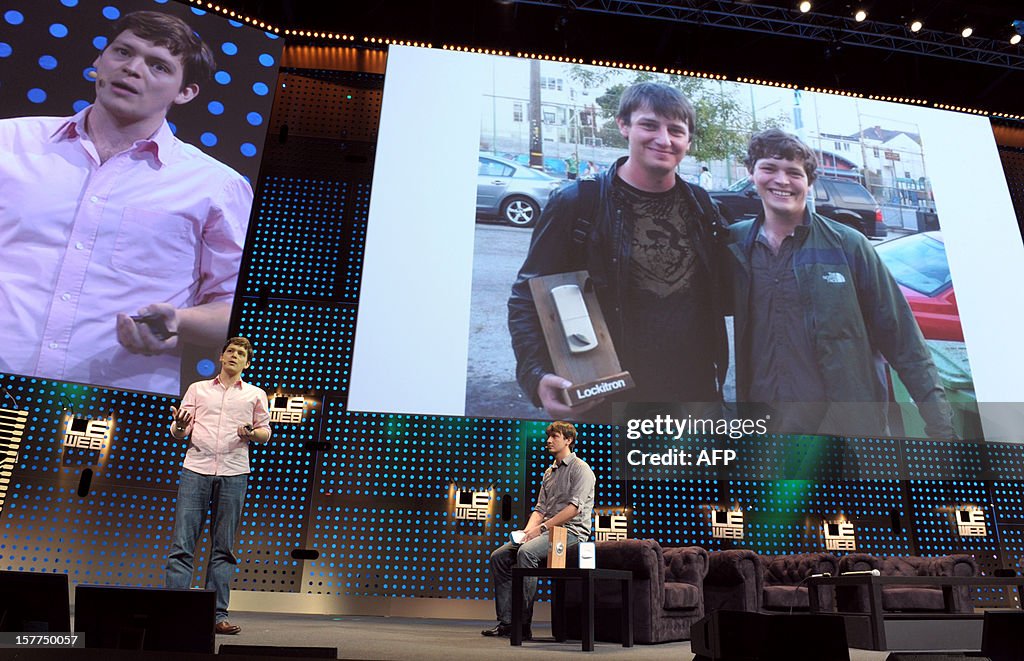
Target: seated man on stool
point(566, 499)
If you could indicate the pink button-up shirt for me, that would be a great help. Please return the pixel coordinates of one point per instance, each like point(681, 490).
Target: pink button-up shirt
point(81, 241)
point(217, 413)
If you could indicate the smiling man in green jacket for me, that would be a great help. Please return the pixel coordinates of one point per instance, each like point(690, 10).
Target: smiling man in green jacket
point(817, 314)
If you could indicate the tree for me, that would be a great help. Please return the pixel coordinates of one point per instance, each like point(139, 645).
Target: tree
point(724, 125)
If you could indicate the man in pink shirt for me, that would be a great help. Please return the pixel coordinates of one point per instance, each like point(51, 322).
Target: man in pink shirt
point(118, 241)
point(220, 417)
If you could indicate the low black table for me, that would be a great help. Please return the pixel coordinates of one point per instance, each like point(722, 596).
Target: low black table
point(586, 578)
point(878, 619)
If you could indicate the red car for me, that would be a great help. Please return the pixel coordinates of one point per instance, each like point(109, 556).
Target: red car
point(918, 263)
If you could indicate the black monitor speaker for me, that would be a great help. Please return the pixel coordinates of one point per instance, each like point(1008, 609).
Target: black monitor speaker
point(34, 601)
point(1002, 638)
point(145, 618)
point(741, 636)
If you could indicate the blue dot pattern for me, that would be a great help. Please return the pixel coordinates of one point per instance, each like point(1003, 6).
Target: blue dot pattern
point(59, 41)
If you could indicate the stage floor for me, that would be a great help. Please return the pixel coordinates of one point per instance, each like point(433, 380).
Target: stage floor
point(360, 637)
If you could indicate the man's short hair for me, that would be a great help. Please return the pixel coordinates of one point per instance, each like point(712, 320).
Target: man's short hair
point(775, 143)
point(242, 342)
point(661, 99)
point(564, 428)
point(176, 36)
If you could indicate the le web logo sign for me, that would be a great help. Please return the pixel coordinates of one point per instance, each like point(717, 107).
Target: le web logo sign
point(611, 527)
point(970, 522)
point(87, 434)
point(839, 536)
point(472, 505)
point(287, 409)
point(727, 524)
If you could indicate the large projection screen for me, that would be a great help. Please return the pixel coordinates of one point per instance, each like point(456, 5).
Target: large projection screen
point(431, 334)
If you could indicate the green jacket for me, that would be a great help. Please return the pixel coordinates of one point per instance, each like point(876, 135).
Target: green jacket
point(854, 311)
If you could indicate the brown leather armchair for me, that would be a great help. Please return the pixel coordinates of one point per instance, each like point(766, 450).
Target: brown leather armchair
point(735, 581)
point(667, 591)
point(785, 581)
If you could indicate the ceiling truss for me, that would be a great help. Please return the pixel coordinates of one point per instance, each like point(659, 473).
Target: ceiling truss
point(814, 26)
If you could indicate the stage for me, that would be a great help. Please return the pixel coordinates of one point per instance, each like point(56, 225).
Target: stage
point(360, 637)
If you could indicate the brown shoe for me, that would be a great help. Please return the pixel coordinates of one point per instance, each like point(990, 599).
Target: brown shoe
point(226, 628)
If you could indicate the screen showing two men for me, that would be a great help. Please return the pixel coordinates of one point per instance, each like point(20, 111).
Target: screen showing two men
point(508, 140)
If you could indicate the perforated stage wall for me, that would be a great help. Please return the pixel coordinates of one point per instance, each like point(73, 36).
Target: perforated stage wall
point(370, 495)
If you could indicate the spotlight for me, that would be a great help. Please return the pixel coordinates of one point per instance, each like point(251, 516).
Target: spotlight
point(967, 31)
point(860, 15)
point(916, 26)
point(1018, 27)
point(805, 6)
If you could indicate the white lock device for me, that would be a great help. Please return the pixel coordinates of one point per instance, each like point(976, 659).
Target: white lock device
point(572, 312)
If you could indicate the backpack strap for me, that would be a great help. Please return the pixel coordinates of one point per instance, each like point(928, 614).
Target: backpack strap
point(586, 210)
point(709, 213)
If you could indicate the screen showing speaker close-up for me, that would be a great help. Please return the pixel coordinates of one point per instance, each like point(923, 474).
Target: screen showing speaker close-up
point(122, 235)
point(460, 184)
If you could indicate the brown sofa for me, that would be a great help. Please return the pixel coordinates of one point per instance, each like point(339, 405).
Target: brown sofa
point(740, 579)
point(667, 591)
point(908, 597)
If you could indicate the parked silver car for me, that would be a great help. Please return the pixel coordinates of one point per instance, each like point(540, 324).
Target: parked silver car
point(515, 193)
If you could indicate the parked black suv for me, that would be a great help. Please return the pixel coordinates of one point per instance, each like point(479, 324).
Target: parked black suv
point(841, 200)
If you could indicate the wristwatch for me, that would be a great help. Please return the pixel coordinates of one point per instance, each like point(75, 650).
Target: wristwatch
point(543, 527)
